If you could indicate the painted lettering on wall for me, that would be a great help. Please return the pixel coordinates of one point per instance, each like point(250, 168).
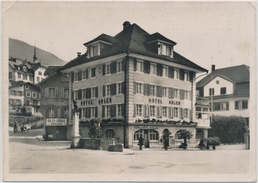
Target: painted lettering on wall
point(173, 102)
point(146, 127)
point(105, 100)
point(156, 101)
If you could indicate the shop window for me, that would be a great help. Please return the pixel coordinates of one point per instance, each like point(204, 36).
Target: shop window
point(154, 135)
point(138, 134)
point(110, 133)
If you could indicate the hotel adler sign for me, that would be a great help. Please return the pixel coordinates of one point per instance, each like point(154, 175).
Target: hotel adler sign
point(159, 101)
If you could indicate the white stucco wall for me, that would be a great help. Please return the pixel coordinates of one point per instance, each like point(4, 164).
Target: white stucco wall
point(217, 83)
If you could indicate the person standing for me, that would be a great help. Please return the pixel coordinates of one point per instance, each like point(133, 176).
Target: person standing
point(14, 127)
point(140, 142)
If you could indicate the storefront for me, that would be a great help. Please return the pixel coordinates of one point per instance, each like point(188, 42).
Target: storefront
point(56, 129)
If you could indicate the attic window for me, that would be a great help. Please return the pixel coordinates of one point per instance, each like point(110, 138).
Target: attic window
point(165, 49)
point(94, 50)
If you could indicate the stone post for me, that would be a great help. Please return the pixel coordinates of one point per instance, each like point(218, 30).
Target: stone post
point(75, 131)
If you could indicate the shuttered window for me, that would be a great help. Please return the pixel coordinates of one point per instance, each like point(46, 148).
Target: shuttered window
point(176, 95)
point(159, 70)
point(152, 90)
point(164, 112)
point(159, 91)
point(113, 68)
point(164, 92)
point(108, 90)
point(176, 73)
point(119, 66)
point(76, 76)
point(139, 110)
point(119, 88)
point(165, 71)
point(107, 69)
point(182, 74)
point(152, 111)
point(175, 112)
point(153, 69)
point(146, 67)
point(119, 110)
point(170, 72)
point(146, 89)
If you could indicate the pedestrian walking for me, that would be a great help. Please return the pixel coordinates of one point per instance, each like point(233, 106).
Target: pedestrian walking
point(14, 127)
point(140, 142)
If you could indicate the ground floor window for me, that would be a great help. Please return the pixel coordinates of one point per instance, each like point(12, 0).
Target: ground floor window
point(199, 134)
point(178, 135)
point(137, 134)
point(110, 133)
point(154, 135)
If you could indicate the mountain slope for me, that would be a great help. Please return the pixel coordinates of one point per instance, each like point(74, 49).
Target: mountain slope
point(22, 50)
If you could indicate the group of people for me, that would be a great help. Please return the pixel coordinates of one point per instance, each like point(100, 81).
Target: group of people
point(164, 140)
point(17, 128)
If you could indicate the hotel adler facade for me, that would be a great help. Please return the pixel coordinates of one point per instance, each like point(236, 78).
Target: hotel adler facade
point(135, 84)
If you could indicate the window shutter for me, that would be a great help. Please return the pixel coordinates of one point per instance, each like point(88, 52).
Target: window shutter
point(113, 67)
point(159, 91)
point(96, 111)
point(159, 70)
point(104, 90)
point(245, 104)
point(134, 87)
point(46, 92)
point(170, 112)
point(157, 111)
point(181, 74)
point(170, 72)
point(160, 111)
point(192, 75)
point(87, 74)
point(190, 114)
point(144, 89)
point(79, 75)
point(89, 92)
point(79, 94)
point(134, 114)
point(113, 89)
point(227, 106)
point(147, 111)
point(47, 113)
point(96, 92)
point(56, 92)
point(236, 104)
point(72, 76)
point(123, 87)
point(113, 110)
point(181, 93)
point(134, 64)
point(181, 112)
point(103, 69)
point(89, 112)
point(103, 111)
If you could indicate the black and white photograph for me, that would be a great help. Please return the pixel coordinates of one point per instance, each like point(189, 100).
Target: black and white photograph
point(129, 91)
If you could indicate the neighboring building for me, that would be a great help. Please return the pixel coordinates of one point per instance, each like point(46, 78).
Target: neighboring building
point(228, 90)
point(54, 104)
point(136, 84)
point(26, 71)
point(24, 96)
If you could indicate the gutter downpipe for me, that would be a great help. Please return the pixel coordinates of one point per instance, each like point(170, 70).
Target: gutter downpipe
point(125, 99)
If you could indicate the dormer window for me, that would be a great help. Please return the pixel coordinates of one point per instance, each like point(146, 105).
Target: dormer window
point(165, 49)
point(94, 50)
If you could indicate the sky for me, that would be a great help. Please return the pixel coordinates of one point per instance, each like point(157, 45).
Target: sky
point(207, 33)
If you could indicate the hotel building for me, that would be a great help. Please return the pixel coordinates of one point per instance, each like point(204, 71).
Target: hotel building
point(135, 84)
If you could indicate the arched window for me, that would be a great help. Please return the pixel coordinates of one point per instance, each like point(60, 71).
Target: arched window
point(110, 133)
point(178, 134)
point(137, 134)
point(199, 134)
point(154, 135)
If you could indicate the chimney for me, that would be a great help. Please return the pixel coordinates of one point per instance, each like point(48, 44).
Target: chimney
point(212, 68)
point(126, 24)
point(79, 54)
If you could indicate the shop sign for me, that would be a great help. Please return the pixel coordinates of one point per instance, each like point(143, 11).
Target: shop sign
point(146, 127)
point(105, 101)
point(174, 102)
point(56, 122)
point(155, 101)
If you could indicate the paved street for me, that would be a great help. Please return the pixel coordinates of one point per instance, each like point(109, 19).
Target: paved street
point(30, 156)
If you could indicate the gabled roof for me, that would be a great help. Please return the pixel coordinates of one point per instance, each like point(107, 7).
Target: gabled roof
point(236, 74)
point(51, 69)
point(158, 36)
point(21, 83)
point(132, 39)
point(102, 37)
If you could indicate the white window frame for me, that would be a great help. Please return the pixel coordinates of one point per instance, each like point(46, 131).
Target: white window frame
point(165, 111)
point(28, 94)
point(154, 70)
point(139, 108)
point(107, 111)
point(93, 112)
point(176, 73)
point(84, 74)
point(119, 66)
point(108, 90)
point(176, 112)
point(165, 91)
point(75, 76)
point(186, 94)
point(107, 69)
point(165, 71)
point(152, 111)
point(186, 76)
point(120, 110)
point(176, 93)
point(93, 92)
point(83, 112)
point(51, 112)
point(139, 89)
point(119, 88)
point(186, 113)
point(34, 93)
point(152, 90)
point(139, 66)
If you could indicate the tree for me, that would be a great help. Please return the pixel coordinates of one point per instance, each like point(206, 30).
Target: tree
point(95, 129)
point(229, 129)
point(185, 134)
